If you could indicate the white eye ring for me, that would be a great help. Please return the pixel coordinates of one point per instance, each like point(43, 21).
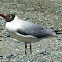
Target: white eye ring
point(10, 16)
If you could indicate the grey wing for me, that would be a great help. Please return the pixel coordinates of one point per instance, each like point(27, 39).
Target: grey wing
point(35, 30)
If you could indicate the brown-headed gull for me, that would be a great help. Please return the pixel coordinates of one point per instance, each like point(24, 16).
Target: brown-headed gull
point(25, 31)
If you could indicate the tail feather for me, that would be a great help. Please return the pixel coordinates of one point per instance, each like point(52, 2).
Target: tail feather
point(58, 31)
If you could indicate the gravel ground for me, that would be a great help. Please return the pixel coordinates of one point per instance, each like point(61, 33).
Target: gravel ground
point(47, 13)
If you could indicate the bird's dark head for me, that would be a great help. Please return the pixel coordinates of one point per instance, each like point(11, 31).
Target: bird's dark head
point(9, 17)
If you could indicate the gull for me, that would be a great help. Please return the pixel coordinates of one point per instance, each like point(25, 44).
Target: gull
point(25, 31)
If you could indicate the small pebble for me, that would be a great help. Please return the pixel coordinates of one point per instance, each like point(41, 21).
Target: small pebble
point(7, 35)
point(0, 40)
point(1, 56)
point(10, 56)
point(45, 53)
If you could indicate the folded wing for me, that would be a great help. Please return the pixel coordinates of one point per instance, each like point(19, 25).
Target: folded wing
point(35, 30)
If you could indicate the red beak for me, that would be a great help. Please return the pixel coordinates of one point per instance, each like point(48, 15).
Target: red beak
point(2, 15)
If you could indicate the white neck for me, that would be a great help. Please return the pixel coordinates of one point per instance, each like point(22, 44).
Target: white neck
point(16, 18)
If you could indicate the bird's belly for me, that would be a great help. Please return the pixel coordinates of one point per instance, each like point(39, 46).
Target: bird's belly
point(24, 39)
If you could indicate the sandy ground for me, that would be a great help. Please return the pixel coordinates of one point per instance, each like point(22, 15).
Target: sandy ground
point(47, 13)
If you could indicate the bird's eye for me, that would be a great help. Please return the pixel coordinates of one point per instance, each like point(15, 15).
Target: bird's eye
point(10, 16)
